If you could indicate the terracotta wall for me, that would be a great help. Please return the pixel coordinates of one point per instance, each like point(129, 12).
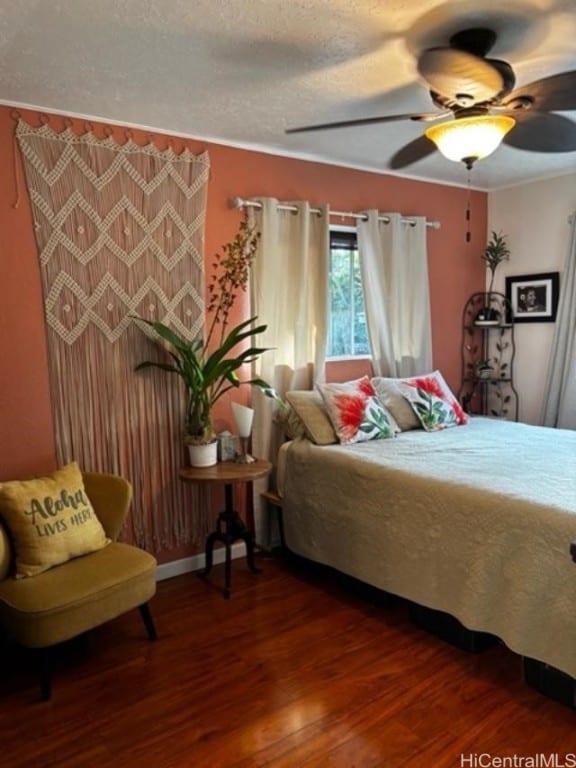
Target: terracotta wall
point(455, 267)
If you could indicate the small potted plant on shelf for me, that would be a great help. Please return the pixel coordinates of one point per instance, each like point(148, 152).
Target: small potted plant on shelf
point(209, 366)
point(495, 252)
point(484, 369)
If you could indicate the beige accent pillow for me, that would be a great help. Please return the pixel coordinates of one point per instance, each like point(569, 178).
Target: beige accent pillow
point(50, 520)
point(392, 398)
point(311, 409)
point(292, 425)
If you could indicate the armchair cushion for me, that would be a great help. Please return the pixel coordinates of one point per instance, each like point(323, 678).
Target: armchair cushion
point(50, 520)
point(71, 598)
point(5, 553)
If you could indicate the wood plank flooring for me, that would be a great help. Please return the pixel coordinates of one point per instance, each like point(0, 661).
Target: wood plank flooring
point(299, 668)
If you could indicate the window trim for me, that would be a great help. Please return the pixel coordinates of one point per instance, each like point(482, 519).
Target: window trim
point(346, 229)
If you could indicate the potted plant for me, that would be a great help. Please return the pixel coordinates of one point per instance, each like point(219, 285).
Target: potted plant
point(209, 366)
point(495, 252)
point(484, 368)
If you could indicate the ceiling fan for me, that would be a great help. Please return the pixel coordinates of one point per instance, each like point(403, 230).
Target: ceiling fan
point(477, 94)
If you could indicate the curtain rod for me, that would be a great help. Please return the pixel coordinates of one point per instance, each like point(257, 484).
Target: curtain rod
point(240, 202)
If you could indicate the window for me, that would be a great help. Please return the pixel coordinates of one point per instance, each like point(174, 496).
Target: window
point(347, 333)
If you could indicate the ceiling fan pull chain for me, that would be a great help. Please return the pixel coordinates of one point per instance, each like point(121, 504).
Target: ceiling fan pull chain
point(468, 235)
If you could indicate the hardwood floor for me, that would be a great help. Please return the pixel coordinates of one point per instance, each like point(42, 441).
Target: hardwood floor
point(298, 668)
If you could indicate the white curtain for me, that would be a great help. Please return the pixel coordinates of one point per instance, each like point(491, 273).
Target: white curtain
point(290, 295)
point(560, 394)
point(394, 266)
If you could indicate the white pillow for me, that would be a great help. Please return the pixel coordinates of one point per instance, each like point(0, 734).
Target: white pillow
point(433, 402)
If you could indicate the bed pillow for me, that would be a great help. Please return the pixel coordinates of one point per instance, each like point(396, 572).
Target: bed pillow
point(433, 402)
point(50, 520)
point(391, 397)
point(356, 413)
point(310, 408)
point(292, 425)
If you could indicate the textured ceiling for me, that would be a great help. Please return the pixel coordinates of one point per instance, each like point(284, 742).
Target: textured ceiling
point(242, 71)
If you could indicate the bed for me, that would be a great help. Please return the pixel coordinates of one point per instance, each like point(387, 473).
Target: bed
point(475, 521)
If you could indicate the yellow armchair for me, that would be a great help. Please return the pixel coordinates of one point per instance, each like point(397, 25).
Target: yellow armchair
point(69, 599)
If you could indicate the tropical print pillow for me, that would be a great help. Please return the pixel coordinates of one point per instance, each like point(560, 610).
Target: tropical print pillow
point(356, 412)
point(433, 402)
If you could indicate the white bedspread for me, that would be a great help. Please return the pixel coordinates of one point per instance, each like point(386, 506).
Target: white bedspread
point(476, 521)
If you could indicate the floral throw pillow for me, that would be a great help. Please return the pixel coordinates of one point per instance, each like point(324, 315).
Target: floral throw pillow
point(433, 402)
point(356, 412)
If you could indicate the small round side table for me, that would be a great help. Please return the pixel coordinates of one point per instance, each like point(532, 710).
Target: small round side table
point(229, 527)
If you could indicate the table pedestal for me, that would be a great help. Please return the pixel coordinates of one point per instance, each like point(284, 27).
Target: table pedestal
point(230, 528)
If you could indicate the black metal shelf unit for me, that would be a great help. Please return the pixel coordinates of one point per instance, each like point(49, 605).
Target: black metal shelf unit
point(487, 353)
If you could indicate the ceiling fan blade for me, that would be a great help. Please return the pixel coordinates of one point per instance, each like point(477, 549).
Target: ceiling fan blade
point(551, 94)
point(425, 117)
point(412, 152)
point(508, 76)
point(539, 132)
point(458, 74)
point(476, 40)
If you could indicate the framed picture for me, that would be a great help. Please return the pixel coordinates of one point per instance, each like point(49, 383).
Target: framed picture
point(533, 298)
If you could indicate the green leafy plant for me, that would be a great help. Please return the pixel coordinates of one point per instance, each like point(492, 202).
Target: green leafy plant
point(484, 368)
point(209, 371)
point(496, 251)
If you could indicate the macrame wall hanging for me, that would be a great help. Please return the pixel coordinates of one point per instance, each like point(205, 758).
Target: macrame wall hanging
point(120, 232)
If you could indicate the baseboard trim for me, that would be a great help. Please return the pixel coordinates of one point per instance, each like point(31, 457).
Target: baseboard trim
point(196, 562)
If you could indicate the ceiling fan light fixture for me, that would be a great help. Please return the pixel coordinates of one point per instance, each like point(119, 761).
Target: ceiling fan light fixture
point(467, 139)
